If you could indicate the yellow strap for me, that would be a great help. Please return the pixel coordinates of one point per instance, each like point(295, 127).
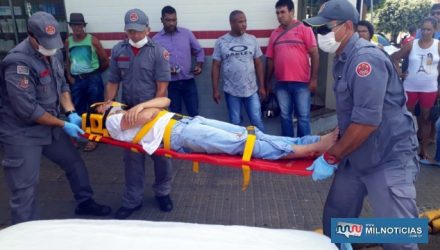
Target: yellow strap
point(144, 130)
point(167, 136)
point(98, 138)
point(196, 166)
point(247, 154)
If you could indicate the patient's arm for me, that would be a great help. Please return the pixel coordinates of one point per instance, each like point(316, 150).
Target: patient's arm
point(143, 117)
point(131, 117)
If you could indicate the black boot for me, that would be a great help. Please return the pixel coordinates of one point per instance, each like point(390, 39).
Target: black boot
point(90, 207)
point(124, 212)
point(165, 203)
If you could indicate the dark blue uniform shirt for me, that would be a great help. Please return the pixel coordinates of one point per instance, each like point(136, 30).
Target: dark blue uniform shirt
point(368, 91)
point(31, 87)
point(138, 73)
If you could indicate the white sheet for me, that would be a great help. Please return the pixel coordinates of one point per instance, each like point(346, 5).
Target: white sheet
point(132, 235)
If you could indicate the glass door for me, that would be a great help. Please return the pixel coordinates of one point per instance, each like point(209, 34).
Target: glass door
point(15, 13)
point(8, 27)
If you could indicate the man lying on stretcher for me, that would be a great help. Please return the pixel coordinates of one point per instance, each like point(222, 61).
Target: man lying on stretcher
point(202, 135)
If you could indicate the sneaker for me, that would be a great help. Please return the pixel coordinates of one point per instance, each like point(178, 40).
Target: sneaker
point(90, 207)
point(165, 203)
point(123, 212)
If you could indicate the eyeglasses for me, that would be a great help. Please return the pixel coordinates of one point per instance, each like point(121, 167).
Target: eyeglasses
point(327, 28)
point(435, 13)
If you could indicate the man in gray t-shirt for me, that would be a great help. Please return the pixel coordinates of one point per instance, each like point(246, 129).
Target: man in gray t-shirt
point(237, 54)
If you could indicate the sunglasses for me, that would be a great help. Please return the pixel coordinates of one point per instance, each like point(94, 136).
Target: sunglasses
point(435, 13)
point(327, 28)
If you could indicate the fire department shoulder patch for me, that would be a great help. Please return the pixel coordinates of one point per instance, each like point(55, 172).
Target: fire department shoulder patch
point(166, 55)
point(363, 69)
point(24, 83)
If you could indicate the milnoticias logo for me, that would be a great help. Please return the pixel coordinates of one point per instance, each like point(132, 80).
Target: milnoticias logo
point(349, 229)
point(379, 230)
point(374, 230)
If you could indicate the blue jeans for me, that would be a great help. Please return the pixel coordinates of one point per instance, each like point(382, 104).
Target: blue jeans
point(294, 97)
point(202, 135)
point(186, 91)
point(87, 91)
point(437, 140)
point(251, 104)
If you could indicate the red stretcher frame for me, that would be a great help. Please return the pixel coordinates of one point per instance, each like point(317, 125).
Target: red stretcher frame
point(290, 167)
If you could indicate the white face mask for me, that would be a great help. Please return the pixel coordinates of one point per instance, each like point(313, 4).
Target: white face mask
point(139, 44)
point(328, 42)
point(46, 52)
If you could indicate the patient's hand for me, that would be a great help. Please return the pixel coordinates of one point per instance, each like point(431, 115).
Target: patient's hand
point(131, 116)
point(103, 107)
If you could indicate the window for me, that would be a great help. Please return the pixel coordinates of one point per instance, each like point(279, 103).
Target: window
point(15, 13)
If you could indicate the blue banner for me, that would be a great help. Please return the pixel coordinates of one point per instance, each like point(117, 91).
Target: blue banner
point(379, 230)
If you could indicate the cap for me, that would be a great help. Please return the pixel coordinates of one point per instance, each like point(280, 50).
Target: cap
point(44, 28)
point(76, 18)
point(341, 10)
point(135, 19)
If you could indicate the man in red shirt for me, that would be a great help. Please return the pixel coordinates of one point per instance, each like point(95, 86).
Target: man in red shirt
point(412, 35)
point(292, 54)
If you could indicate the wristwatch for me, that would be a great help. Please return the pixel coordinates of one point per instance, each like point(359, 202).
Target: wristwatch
point(331, 159)
point(70, 112)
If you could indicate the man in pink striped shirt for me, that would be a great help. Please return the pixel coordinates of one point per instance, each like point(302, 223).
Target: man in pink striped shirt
point(292, 54)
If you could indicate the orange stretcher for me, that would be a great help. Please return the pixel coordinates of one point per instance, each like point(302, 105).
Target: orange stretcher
point(291, 167)
point(94, 126)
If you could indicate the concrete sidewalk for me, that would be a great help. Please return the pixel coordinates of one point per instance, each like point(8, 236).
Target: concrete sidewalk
point(212, 196)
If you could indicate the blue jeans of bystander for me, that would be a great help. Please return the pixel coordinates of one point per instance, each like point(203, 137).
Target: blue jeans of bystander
point(86, 91)
point(437, 140)
point(294, 98)
point(186, 91)
point(251, 104)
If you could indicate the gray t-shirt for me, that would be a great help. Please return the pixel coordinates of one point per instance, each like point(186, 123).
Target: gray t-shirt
point(237, 56)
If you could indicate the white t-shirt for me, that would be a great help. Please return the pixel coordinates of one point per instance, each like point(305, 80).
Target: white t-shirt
point(150, 142)
point(422, 68)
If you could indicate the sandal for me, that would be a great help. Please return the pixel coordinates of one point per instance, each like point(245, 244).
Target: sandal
point(429, 162)
point(90, 146)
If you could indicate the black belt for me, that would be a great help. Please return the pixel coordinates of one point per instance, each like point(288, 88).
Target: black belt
point(86, 75)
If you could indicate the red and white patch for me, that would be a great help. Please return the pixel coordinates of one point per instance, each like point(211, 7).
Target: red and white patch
point(166, 55)
point(50, 29)
point(24, 83)
point(363, 69)
point(134, 16)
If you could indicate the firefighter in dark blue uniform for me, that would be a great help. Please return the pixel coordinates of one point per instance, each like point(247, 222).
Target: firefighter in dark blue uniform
point(141, 67)
point(376, 152)
point(31, 94)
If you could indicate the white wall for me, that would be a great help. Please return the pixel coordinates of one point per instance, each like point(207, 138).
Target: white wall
point(197, 15)
point(108, 15)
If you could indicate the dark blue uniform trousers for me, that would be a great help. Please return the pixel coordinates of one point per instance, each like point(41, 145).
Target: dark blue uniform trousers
point(135, 177)
point(390, 190)
point(22, 169)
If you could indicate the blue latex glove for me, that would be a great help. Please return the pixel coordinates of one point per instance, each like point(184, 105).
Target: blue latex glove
point(72, 129)
point(322, 169)
point(75, 119)
point(346, 246)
